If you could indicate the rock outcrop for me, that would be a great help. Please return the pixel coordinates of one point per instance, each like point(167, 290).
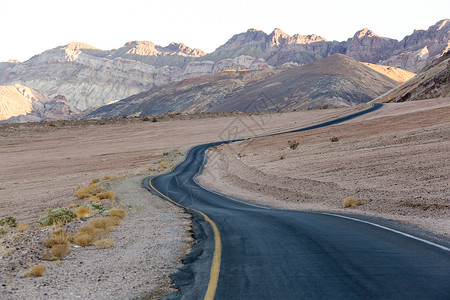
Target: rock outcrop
point(89, 77)
point(19, 104)
point(331, 82)
point(432, 82)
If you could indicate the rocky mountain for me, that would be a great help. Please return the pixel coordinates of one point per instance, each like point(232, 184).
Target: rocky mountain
point(432, 82)
point(90, 77)
point(22, 104)
point(396, 74)
point(412, 53)
point(335, 81)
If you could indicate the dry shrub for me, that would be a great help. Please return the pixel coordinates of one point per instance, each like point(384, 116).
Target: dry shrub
point(334, 139)
point(96, 180)
point(88, 234)
point(84, 239)
point(107, 195)
point(23, 227)
point(35, 271)
point(83, 212)
point(293, 144)
point(352, 202)
point(104, 222)
point(94, 199)
point(86, 191)
point(164, 164)
point(104, 243)
point(60, 250)
point(73, 205)
point(119, 213)
point(58, 262)
point(59, 244)
point(107, 177)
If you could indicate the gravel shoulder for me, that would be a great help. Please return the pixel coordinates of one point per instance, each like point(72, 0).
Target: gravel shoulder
point(394, 160)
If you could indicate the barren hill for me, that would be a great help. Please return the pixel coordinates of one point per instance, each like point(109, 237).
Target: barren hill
point(19, 103)
point(334, 81)
point(432, 82)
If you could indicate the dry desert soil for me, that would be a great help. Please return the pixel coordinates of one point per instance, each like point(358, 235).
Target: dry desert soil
point(394, 159)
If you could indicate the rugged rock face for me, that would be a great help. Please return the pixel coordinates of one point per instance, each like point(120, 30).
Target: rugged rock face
point(22, 104)
point(396, 74)
point(334, 81)
point(432, 82)
point(412, 53)
point(89, 77)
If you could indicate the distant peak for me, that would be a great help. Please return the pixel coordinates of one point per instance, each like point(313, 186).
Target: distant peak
point(75, 46)
point(139, 43)
point(251, 30)
point(441, 24)
point(366, 32)
point(278, 32)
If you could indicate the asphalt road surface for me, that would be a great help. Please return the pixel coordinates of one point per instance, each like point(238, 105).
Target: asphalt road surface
point(246, 251)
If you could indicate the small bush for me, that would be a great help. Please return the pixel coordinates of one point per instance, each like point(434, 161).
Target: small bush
point(9, 220)
point(35, 271)
point(145, 119)
point(86, 191)
point(96, 180)
point(104, 243)
point(104, 222)
point(334, 139)
point(107, 177)
point(97, 208)
point(57, 216)
point(293, 144)
point(83, 212)
point(282, 157)
point(119, 213)
point(4, 229)
point(23, 227)
point(107, 195)
point(352, 202)
point(83, 239)
point(166, 154)
point(164, 164)
point(154, 119)
point(60, 250)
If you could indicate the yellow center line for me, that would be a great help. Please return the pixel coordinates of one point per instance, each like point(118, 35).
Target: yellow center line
point(215, 266)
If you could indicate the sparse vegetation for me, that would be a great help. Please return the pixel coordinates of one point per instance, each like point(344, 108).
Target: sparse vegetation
point(166, 154)
point(352, 202)
point(57, 216)
point(241, 155)
point(59, 244)
point(83, 212)
point(8, 220)
point(86, 191)
point(2, 188)
point(293, 144)
point(4, 229)
point(95, 229)
point(334, 139)
point(104, 243)
point(282, 157)
point(23, 227)
point(154, 119)
point(35, 271)
point(120, 213)
point(145, 119)
point(106, 195)
point(97, 208)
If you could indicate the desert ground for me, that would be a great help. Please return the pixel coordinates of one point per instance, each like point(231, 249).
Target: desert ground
point(394, 160)
point(43, 163)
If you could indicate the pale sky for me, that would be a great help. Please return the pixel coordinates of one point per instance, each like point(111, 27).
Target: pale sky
point(29, 27)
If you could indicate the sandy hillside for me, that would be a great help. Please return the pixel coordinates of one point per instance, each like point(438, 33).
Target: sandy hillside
point(395, 160)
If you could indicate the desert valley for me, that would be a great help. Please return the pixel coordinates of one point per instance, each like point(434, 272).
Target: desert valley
point(82, 127)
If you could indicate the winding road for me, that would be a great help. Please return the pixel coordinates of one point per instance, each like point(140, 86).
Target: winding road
point(246, 251)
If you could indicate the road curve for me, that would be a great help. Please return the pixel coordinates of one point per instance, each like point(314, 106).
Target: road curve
point(245, 251)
